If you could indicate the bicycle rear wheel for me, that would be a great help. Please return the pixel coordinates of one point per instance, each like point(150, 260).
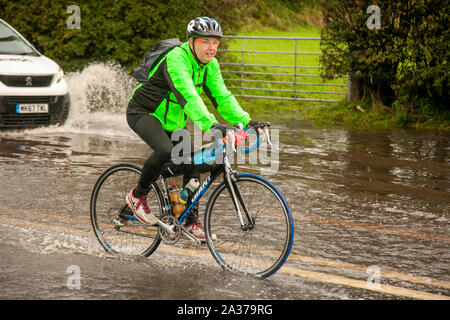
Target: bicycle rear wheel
point(112, 220)
point(260, 250)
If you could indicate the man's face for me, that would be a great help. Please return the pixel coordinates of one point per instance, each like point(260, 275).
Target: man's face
point(205, 48)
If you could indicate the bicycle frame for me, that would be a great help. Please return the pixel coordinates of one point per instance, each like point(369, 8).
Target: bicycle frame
point(228, 179)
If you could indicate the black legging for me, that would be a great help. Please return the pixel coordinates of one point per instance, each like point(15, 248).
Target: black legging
point(150, 130)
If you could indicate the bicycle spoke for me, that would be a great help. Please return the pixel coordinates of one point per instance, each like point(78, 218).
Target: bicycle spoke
point(107, 204)
point(260, 250)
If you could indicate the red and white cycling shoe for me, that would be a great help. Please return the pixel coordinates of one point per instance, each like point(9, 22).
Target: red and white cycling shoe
point(196, 229)
point(140, 208)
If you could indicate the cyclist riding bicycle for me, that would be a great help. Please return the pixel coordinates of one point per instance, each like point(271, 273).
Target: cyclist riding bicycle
point(163, 105)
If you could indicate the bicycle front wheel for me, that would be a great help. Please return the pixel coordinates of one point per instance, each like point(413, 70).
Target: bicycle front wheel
point(261, 249)
point(112, 220)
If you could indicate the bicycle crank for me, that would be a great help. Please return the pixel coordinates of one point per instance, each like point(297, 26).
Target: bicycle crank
point(169, 229)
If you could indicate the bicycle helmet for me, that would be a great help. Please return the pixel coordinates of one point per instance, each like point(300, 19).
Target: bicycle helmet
point(203, 27)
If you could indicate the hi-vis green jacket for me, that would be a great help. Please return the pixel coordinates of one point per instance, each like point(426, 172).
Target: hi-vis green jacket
point(172, 94)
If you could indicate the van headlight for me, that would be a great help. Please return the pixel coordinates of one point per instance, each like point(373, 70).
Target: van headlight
point(59, 75)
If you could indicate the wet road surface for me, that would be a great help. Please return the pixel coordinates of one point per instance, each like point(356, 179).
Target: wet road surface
point(370, 208)
point(371, 214)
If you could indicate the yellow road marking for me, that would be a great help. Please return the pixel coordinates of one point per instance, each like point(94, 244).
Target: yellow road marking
point(387, 289)
point(335, 279)
point(373, 228)
point(383, 273)
point(343, 265)
point(42, 226)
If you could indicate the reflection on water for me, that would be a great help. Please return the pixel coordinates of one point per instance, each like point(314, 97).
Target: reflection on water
point(364, 180)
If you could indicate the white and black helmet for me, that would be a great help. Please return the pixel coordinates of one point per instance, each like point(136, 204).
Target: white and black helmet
point(203, 27)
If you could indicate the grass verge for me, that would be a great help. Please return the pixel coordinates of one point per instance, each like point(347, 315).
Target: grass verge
point(342, 115)
point(360, 114)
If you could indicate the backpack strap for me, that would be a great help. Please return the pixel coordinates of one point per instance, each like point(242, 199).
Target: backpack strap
point(168, 100)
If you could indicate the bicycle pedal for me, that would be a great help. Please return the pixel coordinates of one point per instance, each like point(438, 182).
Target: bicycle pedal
point(116, 221)
point(191, 237)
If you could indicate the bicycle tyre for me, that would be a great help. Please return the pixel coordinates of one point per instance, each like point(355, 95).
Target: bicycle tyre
point(108, 198)
point(260, 251)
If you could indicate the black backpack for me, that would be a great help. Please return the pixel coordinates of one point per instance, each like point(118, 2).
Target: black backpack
point(153, 56)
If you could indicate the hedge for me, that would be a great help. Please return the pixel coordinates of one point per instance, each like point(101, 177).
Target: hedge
point(121, 31)
point(402, 64)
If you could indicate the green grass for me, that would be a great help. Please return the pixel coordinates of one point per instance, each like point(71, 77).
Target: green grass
point(341, 114)
point(307, 74)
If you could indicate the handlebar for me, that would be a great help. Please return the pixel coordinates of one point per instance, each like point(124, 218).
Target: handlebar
point(238, 135)
point(265, 128)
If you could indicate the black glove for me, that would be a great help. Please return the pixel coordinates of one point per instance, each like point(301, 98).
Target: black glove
point(219, 127)
point(256, 124)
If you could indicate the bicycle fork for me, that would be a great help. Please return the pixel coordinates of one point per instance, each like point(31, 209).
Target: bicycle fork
point(230, 182)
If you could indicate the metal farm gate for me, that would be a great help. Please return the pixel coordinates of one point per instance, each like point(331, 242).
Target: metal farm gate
point(281, 71)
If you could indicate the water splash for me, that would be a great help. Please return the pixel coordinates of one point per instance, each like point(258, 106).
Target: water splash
point(99, 90)
point(100, 87)
point(99, 95)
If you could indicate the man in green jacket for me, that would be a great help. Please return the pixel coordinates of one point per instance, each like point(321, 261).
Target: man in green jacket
point(172, 95)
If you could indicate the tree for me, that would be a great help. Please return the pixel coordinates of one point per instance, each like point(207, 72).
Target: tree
point(121, 31)
point(404, 61)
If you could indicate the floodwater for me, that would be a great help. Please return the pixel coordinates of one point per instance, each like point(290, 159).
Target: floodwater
point(371, 212)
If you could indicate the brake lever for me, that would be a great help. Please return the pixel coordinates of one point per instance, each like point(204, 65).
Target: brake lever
point(233, 147)
point(230, 138)
point(233, 141)
point(266, 131)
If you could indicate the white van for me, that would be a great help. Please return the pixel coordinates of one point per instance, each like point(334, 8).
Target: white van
point(33, 91)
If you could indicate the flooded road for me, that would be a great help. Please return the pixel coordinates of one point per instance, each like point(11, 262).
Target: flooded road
point(371, 213)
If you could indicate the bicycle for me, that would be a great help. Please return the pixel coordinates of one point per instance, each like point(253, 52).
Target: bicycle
point(248, 223)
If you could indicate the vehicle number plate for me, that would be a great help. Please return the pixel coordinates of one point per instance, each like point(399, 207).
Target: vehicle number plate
point(31, 108)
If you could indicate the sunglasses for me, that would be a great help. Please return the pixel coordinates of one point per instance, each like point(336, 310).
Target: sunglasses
point(207, 42)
